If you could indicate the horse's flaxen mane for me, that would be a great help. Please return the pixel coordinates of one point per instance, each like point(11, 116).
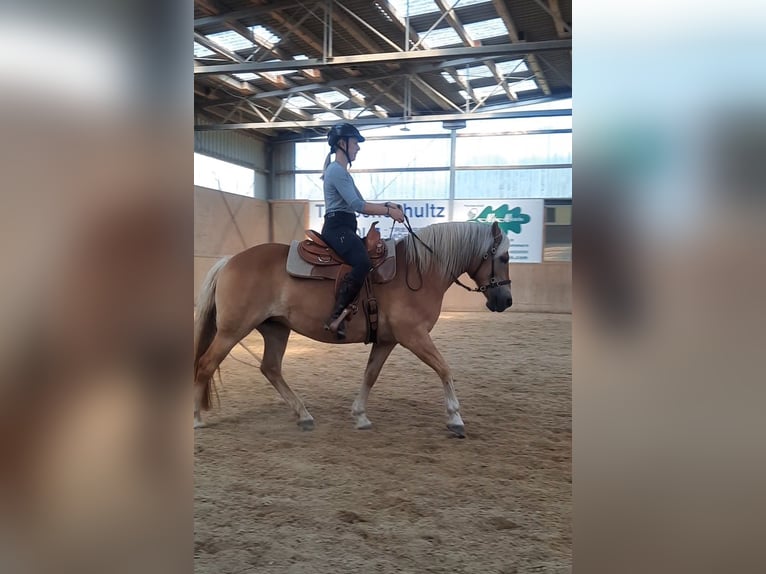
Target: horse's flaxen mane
point(454, 245)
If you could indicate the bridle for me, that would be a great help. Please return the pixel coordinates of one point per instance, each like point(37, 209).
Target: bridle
point(493, 282)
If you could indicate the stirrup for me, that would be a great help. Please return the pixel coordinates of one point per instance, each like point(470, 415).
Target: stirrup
point(335, 324)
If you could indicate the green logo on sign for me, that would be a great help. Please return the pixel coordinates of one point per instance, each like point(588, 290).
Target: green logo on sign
point(508, 219)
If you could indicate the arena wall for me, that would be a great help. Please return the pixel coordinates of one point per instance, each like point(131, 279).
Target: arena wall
point(225, 224)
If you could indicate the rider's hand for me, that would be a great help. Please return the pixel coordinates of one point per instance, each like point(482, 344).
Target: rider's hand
point(396, 213)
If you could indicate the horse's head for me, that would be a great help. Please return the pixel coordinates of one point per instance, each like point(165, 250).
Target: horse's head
point(492, 275)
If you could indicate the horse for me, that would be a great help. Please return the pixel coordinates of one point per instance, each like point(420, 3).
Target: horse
point(252, 290)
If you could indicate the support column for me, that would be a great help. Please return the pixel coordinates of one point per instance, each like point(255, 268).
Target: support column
point(453, 146)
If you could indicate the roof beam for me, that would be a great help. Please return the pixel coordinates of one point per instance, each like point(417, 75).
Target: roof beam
point(357, 33)
point(298, 31)
point(314, 43)
point(452, 19)
point(244, 88)
point(449, 14)
point(563, 29)
point(413, 36)
point(361, 103)
point(432, 67)
point(455, 22)
point(216, 47)
point(435, 95)
point(214, 6)
point(416, 56)
point(390, 120)
point(233, 16)
point(445, 135)
point(513, 33)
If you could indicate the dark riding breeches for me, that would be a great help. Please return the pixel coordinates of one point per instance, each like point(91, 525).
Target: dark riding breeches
point(339, 232)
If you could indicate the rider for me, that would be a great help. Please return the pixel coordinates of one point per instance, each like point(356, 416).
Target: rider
point(342, 200)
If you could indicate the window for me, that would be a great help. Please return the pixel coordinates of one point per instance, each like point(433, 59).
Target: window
point(558, 230)
point(223, 176)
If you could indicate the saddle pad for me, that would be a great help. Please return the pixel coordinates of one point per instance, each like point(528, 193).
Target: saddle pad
point(297, 267)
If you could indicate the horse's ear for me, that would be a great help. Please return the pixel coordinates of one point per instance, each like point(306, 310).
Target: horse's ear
point(497, 234)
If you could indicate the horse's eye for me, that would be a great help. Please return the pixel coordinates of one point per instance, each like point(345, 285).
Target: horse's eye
point(504, 259)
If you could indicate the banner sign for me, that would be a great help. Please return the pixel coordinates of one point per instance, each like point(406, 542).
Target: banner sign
point(420, 213)
point(520, 219)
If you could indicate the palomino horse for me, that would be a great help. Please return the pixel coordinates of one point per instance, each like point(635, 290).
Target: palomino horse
point(252, 290)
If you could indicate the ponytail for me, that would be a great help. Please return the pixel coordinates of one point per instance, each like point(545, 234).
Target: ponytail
point(326, 163)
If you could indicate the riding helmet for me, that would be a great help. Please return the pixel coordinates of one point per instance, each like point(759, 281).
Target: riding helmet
point(344, 130)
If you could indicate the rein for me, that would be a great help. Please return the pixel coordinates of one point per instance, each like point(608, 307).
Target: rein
point(493, 282)
point(417, 255)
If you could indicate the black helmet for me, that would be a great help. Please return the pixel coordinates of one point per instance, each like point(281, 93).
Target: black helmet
point(343, 131)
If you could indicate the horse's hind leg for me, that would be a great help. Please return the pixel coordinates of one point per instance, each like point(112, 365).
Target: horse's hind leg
point(378, 356)
point(275, 337)
point(222, 344)
point(423, 347)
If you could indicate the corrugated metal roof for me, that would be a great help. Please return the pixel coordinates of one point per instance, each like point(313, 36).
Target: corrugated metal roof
point(368, 29)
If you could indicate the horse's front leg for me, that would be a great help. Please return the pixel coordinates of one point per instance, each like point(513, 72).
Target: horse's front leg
point(423, 347)
point(378, 356)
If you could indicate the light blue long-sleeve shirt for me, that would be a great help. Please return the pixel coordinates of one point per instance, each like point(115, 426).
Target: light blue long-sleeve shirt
point(340, 192)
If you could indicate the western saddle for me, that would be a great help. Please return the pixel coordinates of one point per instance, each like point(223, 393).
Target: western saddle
point(326, 264)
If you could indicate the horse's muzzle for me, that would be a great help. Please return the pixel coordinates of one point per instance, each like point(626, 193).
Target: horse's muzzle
point(499, 304)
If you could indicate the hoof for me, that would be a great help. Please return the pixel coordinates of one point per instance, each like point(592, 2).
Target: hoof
point(199, 424)
point(457, 430)
point(306, 425)
point(364, 425)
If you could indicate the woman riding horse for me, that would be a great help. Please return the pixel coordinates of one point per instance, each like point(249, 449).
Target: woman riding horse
point(342, 202)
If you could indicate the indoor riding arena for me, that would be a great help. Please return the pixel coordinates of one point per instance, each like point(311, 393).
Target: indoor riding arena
point(465, 109)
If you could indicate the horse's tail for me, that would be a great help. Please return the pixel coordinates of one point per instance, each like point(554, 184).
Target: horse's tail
point(205, 323)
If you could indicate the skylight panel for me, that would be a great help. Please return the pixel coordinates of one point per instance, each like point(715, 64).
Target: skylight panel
point(246, 77)
point(299, 102)
point(523, 86)
point(487, 92)
point(331, 97)
point(475, 73)
point(512, 67)
point(440, 37)
point(275, 73)
point(265, 35)
point(230, 40)
point(201, 52)
point(357, 113)
point(448, 77)
point(326, 116)
point(417, 7)
point(357, 94)
point(464, 3)
point(486, 29)
point(300, 57)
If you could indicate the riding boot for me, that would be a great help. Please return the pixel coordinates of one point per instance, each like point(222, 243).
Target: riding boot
point(347, 292)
